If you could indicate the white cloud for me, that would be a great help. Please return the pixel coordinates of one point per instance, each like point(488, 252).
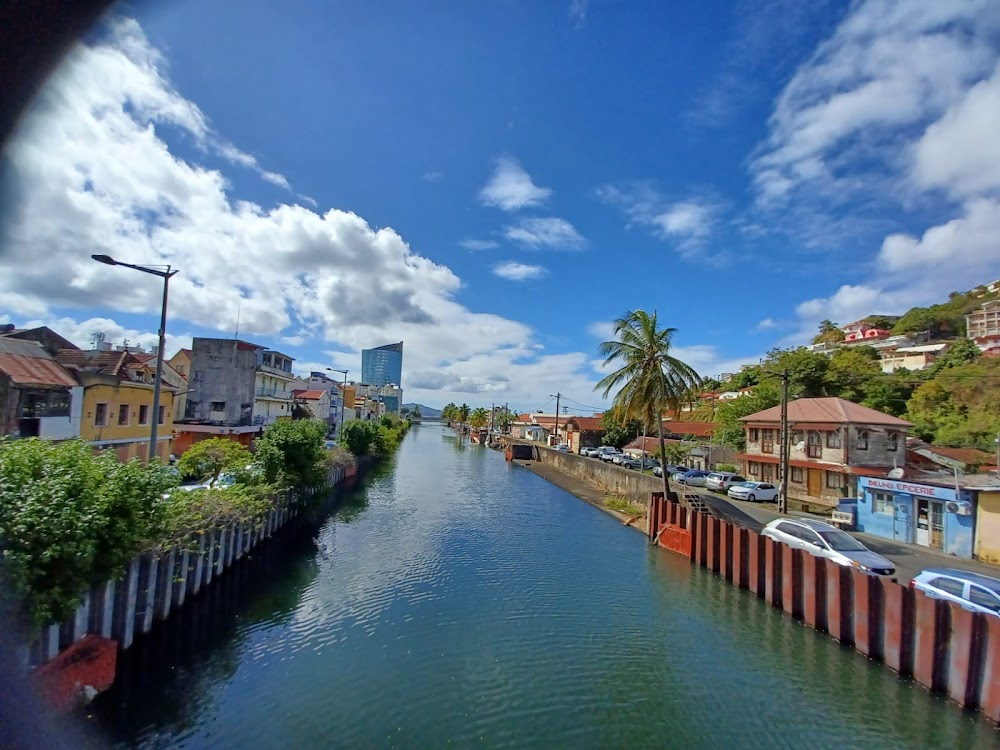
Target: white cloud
point(91, 172)
point(433, 176)
point(578, 12)
point(767, 324)
point(479, 244)
point(551, 232)
point(511, 188)
point(887, 67)
point(603, 330)
point(960, 153)
point(515, 271)
point(686, 223)
point(82, 332)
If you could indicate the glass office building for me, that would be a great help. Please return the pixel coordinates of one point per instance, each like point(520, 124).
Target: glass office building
point(382, 365)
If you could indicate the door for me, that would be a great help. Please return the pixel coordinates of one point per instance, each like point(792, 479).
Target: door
point(815, 482)
point(900, 520)
point(923, 522)
point(937, 524)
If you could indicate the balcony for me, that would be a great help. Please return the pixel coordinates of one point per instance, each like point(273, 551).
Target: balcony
point(276, 394)
point(272, 370)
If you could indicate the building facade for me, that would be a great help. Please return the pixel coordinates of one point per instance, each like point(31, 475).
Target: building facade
point(831, 443)
point(383, 365)
point(36, 392)
point(316, 401)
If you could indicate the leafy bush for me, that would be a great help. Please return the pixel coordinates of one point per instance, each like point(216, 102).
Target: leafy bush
point(207, 459)
point(727, 467)
point(68, 518)
point(190, 513)
point(622, 505)
point(357, 436)
point(292, 453)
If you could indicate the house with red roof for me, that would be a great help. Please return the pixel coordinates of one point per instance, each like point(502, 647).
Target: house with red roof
point(315, 400)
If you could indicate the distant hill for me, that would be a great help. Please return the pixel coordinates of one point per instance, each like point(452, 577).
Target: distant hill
point(425, 411)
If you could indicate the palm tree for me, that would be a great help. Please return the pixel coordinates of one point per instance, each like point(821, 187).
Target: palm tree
point(650, 380)
point(828, 333)
point(449, 413)
point(415, 411)
point(504, 420)
point(479, 418)
point(463, 413)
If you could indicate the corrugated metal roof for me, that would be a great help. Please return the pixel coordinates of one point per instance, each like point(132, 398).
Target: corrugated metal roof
point(24, 370)
point(836, 410)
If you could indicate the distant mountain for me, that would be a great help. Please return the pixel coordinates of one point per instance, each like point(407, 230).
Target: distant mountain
point(425, 411)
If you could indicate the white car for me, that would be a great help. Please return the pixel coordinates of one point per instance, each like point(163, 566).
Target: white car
point(693, 478)
point(753, 491)
point(722, 480)
point(617, 458)
point(610, 455)
point(823, 540)
point(973, 591)
point(588, 451)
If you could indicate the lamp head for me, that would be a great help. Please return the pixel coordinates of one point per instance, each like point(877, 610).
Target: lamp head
point(105, 259)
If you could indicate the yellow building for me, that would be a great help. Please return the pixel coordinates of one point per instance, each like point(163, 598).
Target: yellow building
point(988, 527)
point(114, 403)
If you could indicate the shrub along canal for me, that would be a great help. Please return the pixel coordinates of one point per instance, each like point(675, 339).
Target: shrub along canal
point(457, 599)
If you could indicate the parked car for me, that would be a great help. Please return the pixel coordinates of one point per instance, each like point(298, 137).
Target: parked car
point(722, 480)
point(610, 455)
point(973, 591)
point(693, 478)
point(617, 458)
point(641, 464)
point(823, 540)
point(753, 491)
point(562, 447)
point(588, 451)
point(604, 450)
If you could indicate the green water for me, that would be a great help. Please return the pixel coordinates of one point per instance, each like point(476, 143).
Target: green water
point(460, 601)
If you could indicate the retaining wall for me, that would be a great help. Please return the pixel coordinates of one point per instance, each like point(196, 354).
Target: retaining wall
point(617, 481)
point(942, 646)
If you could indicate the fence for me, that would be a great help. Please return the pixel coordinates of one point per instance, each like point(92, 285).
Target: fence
point(943, 647)
point(154, 584)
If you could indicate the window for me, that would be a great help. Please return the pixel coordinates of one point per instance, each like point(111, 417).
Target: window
point(892, 442)
point(144, 414)
point(834, 480)
point(163, 414)
point(798, 475)
point(882, 502)
point(949, 586)
point(810, 537)
point(218, 406)
point(753, 468)
point(123, 411)
point(841, 541)
point(815, 447)
point(767, 441)
point(862, 444)
point(833, 439)
point(101, 415)
point(984, 598)
point(796, 437)
point(754, 435)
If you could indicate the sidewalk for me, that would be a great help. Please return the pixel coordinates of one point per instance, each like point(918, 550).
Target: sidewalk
point(910, 559)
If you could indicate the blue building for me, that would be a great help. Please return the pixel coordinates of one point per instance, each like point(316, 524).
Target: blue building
point(915, 512)
point(382, 365)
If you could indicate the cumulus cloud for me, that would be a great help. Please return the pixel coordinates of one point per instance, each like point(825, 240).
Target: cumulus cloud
point(514, 271)
point(767, 324)
point(603, 330)
point(551, 232)
point(92, 171)
point(511, 188)
point(578, 13)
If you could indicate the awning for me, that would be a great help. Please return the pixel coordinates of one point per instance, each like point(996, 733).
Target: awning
point(861, 471)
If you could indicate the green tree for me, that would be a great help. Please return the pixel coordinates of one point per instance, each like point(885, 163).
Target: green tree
point(504, 420)
point(293, 453)
point(479, 418)
point(888, 394)
point(649, 378)
point(463, 413)
point(829, 333)
point(616, 433)
point(675, 453)
point(807, 371)
point(851, 372)
point(416, 412)
point(961, 352)
point(357, 435)
point(730, 430)
point(449, 413)
point(207, 459)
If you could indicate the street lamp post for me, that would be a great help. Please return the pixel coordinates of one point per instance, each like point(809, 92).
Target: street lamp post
point(343, 395)
point(164, 272)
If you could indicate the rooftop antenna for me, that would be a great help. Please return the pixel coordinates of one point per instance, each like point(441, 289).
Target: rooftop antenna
point(239, 306)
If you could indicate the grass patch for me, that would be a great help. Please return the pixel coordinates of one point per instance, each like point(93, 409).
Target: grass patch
point(622, 505)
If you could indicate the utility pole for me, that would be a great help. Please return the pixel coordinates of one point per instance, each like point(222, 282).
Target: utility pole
point(783, 501)
point(556, 430)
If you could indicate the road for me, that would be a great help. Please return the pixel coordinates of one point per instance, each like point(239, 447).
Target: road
point(908, 558)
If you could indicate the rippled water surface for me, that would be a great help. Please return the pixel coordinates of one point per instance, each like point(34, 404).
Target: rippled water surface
point(457, 600)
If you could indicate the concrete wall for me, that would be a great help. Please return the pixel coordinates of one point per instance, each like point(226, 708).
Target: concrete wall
point(616, 480)
point(221, 370)
point(943, 647)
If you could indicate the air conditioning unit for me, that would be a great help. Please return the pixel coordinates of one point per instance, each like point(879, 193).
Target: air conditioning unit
point(958, 508)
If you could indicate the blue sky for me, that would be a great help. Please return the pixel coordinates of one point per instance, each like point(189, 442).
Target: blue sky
point(495, 182)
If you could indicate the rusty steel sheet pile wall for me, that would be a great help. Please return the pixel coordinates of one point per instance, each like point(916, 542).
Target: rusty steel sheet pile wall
point(943, 647)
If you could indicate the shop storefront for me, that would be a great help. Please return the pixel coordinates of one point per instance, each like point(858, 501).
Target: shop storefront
point(917, 513)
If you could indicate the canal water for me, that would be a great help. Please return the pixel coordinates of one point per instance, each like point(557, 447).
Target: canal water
point(457, 600)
